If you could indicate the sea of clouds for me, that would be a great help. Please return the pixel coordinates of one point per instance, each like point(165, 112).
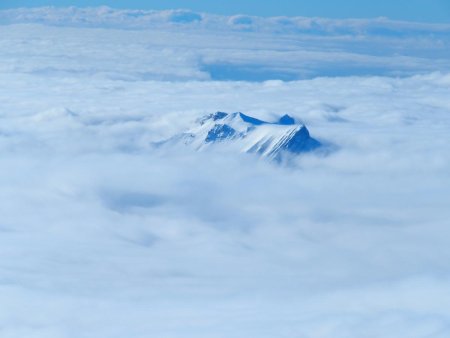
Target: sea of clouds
point(102, 235)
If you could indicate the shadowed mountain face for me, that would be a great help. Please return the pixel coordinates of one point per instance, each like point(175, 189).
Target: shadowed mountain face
point(249, 134)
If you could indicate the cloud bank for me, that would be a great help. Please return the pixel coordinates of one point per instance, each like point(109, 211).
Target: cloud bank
point(205, 46)
point(101, 235)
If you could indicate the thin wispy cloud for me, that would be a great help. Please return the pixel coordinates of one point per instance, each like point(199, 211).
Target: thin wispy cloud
point(205, 46)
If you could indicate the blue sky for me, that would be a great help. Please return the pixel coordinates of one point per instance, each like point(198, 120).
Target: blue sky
point(415, 10)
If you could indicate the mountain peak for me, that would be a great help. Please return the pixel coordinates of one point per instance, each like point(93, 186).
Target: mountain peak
point(286, 120)
point(249, 134)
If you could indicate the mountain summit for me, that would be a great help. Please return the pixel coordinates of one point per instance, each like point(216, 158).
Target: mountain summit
point(249, 134)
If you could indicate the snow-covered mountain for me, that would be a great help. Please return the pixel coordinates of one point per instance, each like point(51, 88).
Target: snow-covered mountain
point(248, 134)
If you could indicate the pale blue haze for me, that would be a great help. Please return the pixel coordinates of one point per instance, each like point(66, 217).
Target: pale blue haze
point(411, 10)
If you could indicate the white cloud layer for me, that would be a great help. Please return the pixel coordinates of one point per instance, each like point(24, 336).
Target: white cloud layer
point(103, 236)
point(174, 45)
